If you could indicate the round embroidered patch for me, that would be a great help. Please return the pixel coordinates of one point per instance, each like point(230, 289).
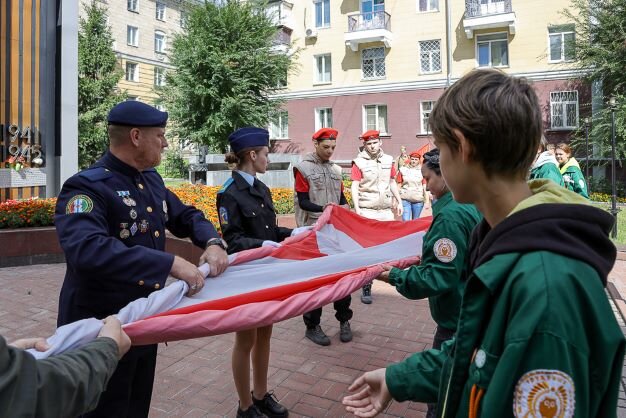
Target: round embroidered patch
point(544, 393)
point(481, 358)
point(445, 250)
point(79, 204)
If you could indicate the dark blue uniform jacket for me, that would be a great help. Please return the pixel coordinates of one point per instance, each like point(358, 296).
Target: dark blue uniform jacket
point(247, 214)
point(111, 220)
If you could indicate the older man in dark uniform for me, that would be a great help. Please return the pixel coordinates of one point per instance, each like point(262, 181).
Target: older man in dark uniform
point(111, 220)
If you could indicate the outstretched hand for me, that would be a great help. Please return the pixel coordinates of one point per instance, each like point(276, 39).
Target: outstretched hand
point(384, 276)
point(371, 395)
point(38, 344)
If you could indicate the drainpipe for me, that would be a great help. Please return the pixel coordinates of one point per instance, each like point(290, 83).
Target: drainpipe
point(448, 46)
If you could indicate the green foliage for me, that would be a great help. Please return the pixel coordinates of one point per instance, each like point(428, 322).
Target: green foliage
point(173, 165)
point(98, 75)
point(225, 72)
point(601, 55)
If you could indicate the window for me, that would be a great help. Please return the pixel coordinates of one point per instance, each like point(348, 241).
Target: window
point(132, 36)
point(132, 71)
point(562, 43)
point(160, 10)
point(427, 5)
point(564, 109)
point(159, 42)
point(322, 69)
point(493, 50)
point(279, 126)
point(426, 107)
point(369, 7)
point(373, 63)
point(323, 118)
point(430, 56)
point(375, 118)
point(322, 13)
point(490, 7)
point(159, 76)
point(132, 5)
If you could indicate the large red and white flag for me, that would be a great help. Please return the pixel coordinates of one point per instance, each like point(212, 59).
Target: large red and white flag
point(267, 285)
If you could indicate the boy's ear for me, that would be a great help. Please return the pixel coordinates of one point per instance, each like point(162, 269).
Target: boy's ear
point(466, 149)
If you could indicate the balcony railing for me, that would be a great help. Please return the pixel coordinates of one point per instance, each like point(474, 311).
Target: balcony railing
point(479, 8)
point(369, 21)
point(283, 37)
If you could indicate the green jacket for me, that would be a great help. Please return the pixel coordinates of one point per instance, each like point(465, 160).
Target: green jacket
point(61, 386)
point(573, 178)
point(546, 167)
point(536, 330)
point(438, 276)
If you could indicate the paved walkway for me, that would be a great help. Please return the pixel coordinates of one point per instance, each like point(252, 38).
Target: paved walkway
point(194, 379)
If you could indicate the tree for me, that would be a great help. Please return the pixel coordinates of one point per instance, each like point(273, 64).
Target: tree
point(600, 49)
point(225, 73)
point(98, 75)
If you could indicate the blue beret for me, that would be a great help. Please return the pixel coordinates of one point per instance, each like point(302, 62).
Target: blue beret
point(248, 138)
point(134, 113)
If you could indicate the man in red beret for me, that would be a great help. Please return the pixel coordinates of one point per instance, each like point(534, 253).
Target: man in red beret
point(318, 183)
point(373, 187)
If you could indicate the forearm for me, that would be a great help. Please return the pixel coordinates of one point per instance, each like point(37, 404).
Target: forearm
point(65, 385)
point(423, 281)
point(394, 191)
point(304, 201)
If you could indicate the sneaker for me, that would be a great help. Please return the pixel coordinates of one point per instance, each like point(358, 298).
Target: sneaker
point(366, 297)
point(345, 333)
point(317, 336)
point(252, 412)
point(270, 407)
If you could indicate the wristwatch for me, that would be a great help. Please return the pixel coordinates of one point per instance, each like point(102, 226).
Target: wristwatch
point(217, 241)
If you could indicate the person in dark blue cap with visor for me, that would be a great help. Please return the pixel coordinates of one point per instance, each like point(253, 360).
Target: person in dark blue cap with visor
point(111, 220)
point(248, 220)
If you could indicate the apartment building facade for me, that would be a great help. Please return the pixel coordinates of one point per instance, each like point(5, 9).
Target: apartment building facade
point(142, 31)
point(382, 64)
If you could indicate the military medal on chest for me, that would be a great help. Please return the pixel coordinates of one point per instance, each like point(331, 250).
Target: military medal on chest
point(125, 195)
point(124, 233)
point(133, 229)
point(133, 214)
point(143, 226)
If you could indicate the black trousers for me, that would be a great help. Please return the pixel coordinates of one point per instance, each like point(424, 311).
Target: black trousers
point(441, 336)
point(342, 313)
point(129, 391)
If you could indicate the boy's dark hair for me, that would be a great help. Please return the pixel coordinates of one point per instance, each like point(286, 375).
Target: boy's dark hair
point(500, 117)
point(431, 161)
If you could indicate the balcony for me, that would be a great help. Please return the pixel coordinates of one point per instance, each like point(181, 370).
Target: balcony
point(368, 27)
point(282, 40)
point(488, 14)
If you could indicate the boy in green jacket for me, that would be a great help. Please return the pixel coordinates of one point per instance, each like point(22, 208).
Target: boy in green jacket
point(536, 335)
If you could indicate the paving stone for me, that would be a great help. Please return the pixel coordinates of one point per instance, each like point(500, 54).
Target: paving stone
point(194, 377)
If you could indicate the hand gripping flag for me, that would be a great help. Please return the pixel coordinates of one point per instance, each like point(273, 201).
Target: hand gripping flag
point(266, 285)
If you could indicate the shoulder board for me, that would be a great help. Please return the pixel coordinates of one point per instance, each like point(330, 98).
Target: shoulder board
point(225, 185)
point(95, 174)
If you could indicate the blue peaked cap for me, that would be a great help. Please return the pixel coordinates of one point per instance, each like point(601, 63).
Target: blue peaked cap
point(134, 113)
point(248, 137)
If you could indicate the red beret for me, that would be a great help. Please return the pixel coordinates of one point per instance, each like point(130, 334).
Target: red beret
point(326, 133)
point(371, 134)
point(415, 154)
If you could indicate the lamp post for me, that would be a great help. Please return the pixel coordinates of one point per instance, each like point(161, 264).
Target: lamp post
point(614, 210)
point(587, 122)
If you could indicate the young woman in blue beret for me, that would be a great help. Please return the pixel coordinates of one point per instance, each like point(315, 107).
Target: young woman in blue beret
point(248, 220)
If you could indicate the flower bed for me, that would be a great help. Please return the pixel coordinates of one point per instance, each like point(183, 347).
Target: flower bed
point(604, 197)
point(40, 212)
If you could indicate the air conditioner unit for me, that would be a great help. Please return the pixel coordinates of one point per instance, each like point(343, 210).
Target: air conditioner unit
point(310, 33)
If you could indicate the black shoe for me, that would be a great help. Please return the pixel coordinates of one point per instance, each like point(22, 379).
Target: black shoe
point(366, 297)
point(252, 412)
point(345, 333)
point(270, 407)
point(317, 336)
